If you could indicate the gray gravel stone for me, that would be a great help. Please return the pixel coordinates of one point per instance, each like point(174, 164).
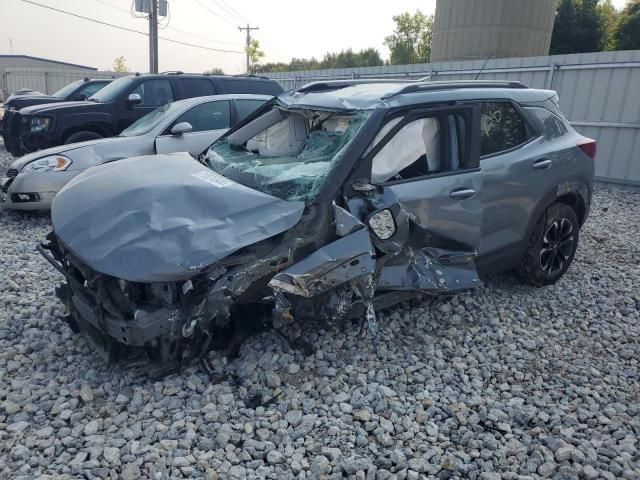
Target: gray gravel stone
point(507, 381)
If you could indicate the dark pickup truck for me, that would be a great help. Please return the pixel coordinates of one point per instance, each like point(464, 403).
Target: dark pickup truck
point(78, 90)
point(118, 105)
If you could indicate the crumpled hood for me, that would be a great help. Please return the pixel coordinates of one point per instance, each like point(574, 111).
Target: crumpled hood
point(162, 217)
point(25, 92)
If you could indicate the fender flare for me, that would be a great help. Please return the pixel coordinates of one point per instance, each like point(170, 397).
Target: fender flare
point(87, 121)
point(574, 194)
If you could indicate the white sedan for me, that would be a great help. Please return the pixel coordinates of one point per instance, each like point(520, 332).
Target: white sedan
point(189, 125)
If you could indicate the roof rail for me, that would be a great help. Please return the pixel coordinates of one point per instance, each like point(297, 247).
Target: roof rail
point(172, 72)
point(453, 85)
point(329, 85)
point(251, 75)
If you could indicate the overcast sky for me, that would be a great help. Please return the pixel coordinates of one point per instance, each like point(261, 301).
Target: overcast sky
point(288, 28)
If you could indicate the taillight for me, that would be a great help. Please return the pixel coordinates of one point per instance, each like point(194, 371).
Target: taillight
point(588, 146)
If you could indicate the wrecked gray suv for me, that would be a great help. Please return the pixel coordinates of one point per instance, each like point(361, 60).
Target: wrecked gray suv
point(329, 202)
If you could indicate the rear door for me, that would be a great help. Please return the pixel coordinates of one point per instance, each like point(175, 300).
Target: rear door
point(208, 121)
point(422, 204)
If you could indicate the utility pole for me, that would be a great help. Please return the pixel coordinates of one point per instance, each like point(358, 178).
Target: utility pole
point(248, 29)
point(153, 36)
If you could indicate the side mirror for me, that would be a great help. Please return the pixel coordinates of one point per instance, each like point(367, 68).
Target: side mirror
point(80, 97)
point(180, 128)
point(363, 186)
point(134, 99)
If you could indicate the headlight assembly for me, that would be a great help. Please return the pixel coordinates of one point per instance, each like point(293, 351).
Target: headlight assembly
point(54, 163)
point(39, 124)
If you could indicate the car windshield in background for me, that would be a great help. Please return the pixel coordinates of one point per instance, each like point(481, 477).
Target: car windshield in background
point(65, 91)
point(110, 92)
point(286, 153)
point(150, 121)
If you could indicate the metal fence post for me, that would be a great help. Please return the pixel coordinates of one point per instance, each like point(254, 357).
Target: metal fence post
point(552, 69)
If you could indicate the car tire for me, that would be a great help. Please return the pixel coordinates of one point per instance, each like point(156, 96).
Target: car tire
point(82, 137)
point(552, 246)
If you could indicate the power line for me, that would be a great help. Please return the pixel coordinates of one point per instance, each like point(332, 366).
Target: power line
point(215, 13)
point(113, 6)
point(204, 38)
point(130, 29)
point(230, 11)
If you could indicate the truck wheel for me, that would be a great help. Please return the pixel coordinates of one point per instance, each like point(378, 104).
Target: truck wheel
point(82, 137)
point(552, 246)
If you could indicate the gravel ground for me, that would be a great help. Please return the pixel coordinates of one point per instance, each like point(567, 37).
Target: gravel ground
point(506, 382)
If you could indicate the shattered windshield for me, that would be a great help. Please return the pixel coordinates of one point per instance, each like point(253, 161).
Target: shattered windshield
point(286, 153)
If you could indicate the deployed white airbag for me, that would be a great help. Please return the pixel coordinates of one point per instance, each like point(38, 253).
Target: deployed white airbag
point(415, 139)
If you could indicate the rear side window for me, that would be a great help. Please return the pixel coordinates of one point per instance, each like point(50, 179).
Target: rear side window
point(245, 107)
point(196, 87)
point(207, 116)
point(262, 87)
point(154, 93)
point(501, 128)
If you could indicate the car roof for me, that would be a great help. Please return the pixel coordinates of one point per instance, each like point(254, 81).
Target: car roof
point(372, 94)
point(187, 102)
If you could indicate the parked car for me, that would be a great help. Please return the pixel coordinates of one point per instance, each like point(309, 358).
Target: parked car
point(329, 202)
point(189, 125)
point(78, 90)
point(117, 106)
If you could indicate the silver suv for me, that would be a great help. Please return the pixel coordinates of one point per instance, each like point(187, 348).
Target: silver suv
point(329, 202)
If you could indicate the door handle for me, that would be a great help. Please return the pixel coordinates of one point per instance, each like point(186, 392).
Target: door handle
point(462, 193)
point(542, 164)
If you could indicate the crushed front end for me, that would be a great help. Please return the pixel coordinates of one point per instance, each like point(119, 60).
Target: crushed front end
point(172, 323)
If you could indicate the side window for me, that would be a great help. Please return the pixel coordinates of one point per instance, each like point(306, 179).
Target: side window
point(501, 128)
point(196, 87)
point(257, 86)
point(90, 89)
point(154, 93)
point(245, 107)
point(207, 116)
point(551, 125)
point(414, 151)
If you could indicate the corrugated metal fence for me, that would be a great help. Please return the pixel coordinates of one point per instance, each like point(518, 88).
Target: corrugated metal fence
point(599, 94)
point(46, 80)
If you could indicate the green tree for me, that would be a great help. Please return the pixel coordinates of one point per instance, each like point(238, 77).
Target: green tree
point(628, 35)
point(214, 71)
point(119, 65)
point(254, 52)
point(579, 27)
point(610, 20)
point(368, 57)
point(411, 39)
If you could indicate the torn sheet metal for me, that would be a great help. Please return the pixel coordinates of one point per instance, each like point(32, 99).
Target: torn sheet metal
point(339, 262)
point(163, 218)
point(345, 222)
point(430, 269)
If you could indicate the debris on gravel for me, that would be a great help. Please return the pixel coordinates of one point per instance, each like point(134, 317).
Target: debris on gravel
point(505, 382)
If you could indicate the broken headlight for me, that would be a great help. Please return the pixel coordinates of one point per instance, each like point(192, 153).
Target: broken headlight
point(54, 163)
point(382, 224)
